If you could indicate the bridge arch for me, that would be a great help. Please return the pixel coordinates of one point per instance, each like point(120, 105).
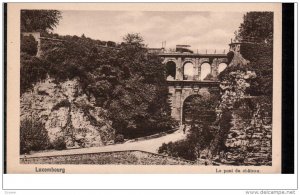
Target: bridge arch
point(185, 118)
point(222, 66)
point(205, 70)
point(188, 70)
point(188, 93)
point(171, 70)
point(194, 107)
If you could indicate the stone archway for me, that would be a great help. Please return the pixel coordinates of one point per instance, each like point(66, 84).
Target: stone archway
point(171, 70)
point(186, 108)
point(197, 107)
point(187, 93)
point(188, 71)
point(205, 70)
point(222, 66)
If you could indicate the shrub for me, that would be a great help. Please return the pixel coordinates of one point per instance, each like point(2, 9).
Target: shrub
point(29, 45)
point(119, 138)
point(198, 139)
point(183, 149)
point(224, 125)
point(59, 144)
point(33, 69)
point(225, 121)
point(33, 136)
point(111, 44)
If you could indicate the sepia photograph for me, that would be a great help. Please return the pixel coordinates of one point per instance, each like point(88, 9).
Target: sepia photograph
point(146, 88)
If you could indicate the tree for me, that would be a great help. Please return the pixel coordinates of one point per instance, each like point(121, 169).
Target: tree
point(33, 136)
point(133, 38)
point(33, 69)
point(139, 103)
point(126, 81)
point(200, 109)
point(257, 26)
point(29, 45)
point(39, 20)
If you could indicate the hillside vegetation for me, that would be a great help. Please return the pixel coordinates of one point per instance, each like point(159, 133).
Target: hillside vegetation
point(125, 81)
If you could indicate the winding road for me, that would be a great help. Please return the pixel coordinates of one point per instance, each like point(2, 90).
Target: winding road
point(148, 145)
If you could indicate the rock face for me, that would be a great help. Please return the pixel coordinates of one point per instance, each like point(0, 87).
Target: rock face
point(68, 113)
point(233, 88)
point(249, 140)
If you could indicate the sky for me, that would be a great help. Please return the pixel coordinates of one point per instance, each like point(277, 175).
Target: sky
point(204, 31)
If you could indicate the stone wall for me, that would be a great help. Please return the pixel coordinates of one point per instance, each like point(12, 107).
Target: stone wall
point(249, 141)
point(68, 113)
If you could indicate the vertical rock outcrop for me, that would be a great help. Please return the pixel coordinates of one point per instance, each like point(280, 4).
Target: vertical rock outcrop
point(67, 113)
point(249, 140)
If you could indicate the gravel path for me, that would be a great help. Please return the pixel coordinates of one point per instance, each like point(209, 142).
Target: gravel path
point(150, 145)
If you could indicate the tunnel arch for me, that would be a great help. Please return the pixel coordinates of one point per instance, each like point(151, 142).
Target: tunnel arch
point(194, 107)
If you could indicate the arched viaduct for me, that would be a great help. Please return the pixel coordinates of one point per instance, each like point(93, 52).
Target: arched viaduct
point(199, 78)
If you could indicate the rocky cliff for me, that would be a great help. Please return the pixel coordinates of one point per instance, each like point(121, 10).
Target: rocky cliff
point(249, 140)
point(67, 113)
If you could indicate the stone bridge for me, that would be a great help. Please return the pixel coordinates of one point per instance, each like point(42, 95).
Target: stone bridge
point(191, 74)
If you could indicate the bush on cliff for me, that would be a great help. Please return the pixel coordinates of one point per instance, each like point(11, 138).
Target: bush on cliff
point(33, 136)
point(29, 45)
point(258, 28)
point(221, 136)
point(178, 149)
point(199, 138)
point(33, 70)
point(59, 144)
point(119, 138)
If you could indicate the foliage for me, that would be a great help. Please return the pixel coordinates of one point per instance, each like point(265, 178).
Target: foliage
point(59, 144)
point(260, 56)
point(134, 38)
point(225, 124)
point(111, 44)
point(39, 20)
point(181, 149)
point(257, 26)
point(29, 45)
point(199, 113)
point(33, 69)
point(119, 138)
point(33, 136)
point(199, 138)
point(128, 81)
point(200, 109)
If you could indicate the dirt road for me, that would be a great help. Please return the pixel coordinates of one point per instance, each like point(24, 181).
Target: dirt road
point(149, 145)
